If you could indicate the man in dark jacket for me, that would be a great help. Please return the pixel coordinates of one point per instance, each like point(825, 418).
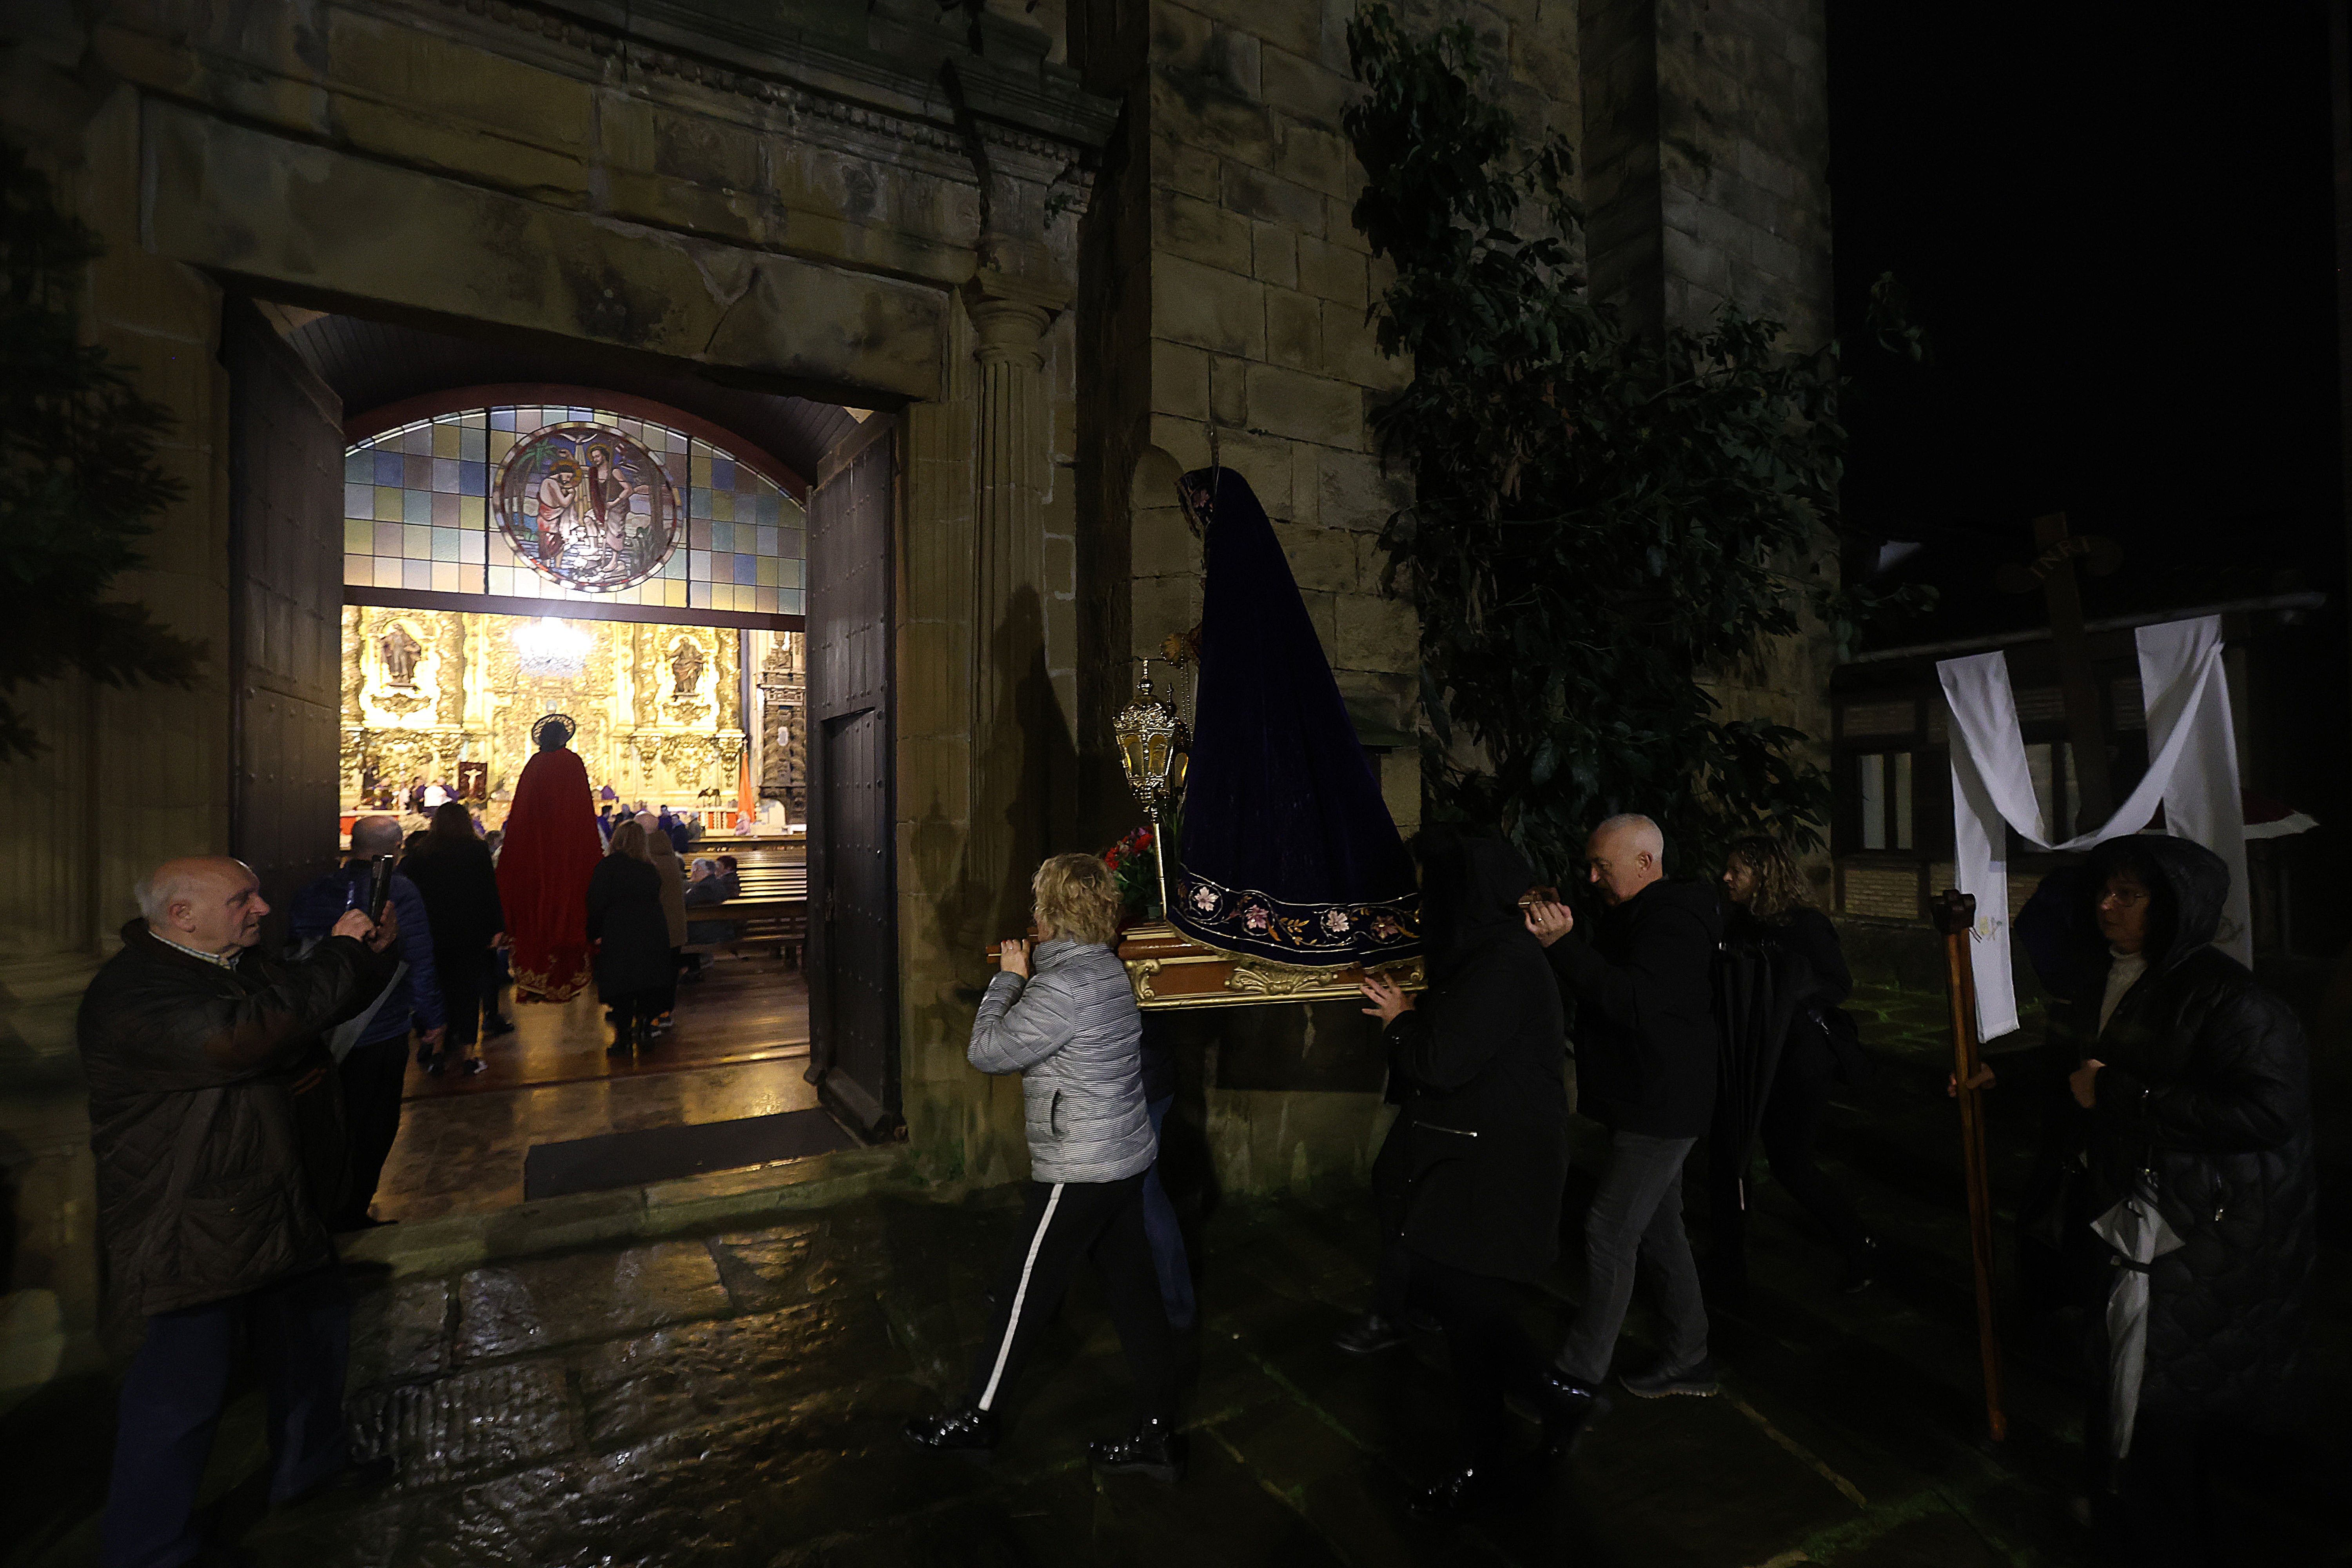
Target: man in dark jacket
point(374, 1070)
point(1645, 1068)
point(2193, 1085)
point(212, 1124)
point(724, 881)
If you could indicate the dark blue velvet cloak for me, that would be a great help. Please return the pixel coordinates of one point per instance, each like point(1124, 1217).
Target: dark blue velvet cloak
point(1288, 852)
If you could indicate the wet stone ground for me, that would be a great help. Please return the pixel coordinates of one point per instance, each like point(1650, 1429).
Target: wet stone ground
point(735, 1399)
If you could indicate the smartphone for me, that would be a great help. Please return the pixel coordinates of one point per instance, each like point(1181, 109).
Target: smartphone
point(379, 887)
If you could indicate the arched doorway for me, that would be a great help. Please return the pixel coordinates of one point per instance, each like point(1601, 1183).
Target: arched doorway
point(483, 585)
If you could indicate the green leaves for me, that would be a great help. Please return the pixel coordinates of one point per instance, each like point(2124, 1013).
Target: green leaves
point(78, 479)
point(1600, 518)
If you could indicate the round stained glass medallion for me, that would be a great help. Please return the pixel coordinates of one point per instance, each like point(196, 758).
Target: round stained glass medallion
point(587, 506)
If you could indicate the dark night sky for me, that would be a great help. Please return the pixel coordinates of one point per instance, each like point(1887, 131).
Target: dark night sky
point(2118, 234)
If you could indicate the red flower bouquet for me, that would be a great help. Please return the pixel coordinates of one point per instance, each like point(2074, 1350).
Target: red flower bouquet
point(1134, 860)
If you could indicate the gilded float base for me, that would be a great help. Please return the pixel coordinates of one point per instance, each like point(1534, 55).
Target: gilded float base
point(1169, 969)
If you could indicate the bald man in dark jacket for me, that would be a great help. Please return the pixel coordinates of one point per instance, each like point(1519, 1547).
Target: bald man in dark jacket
point(1645, 1068)
point(214, 1126)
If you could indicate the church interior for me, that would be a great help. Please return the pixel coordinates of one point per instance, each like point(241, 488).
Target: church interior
point(497, 560)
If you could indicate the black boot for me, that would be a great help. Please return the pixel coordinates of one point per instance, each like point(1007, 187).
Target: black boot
point(1863, 1266)
point(1374, 1333)
point(968, 1431)
point(1567, 1408)
point(1659, 1382)
point(625, 1034)
point(1484, 1487)
point(1155, 1449)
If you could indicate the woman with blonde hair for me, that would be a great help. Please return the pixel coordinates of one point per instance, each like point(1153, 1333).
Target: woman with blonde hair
point(1771, 903)
point(1065, 1018)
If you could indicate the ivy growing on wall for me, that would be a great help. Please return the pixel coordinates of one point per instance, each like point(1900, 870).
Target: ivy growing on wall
point(80, 484)
point(1601, 518)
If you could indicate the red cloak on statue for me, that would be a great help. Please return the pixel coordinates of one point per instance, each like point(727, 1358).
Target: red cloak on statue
point(551, 850)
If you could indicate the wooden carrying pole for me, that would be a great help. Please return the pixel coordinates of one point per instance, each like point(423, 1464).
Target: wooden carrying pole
point(1956, 917)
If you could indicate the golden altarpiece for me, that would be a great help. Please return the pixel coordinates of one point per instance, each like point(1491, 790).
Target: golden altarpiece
point(447, 696)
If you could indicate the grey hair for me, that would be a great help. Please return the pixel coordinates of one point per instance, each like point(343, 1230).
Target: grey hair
point(182, 877)
point(1647, 833)
point(376, 836)
point(156, 890)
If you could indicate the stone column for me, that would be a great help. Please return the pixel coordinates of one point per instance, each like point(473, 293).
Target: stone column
point(1010, 686)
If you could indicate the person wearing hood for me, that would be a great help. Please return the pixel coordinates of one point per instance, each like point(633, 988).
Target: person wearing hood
point(2194, 1139)
point(1483, 1135)
point(1645, 1068)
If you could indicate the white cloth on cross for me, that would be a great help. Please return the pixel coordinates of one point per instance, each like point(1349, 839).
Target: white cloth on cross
point(2193, 769)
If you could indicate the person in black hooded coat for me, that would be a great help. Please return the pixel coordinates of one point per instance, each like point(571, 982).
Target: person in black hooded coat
point(1481, 1140)
point(2191, 1075)
point(627, 923)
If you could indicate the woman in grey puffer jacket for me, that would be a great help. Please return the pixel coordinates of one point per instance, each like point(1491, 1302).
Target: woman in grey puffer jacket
point(1071, 1030)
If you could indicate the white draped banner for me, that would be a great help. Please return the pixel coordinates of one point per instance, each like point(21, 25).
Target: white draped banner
point(2193, 769)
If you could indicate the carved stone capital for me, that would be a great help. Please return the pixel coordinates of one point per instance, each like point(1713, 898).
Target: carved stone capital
point(1011, 314)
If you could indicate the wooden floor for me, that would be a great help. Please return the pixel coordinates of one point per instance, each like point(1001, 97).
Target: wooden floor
point(742, 1010)
point(738, 1049)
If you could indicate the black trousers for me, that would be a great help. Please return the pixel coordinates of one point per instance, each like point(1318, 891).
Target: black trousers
point(1393, 1277)
point(1391, 1191)
point(1492, 1354)
point(667, 1000)
point(1793, 1114)
point(1060, 1222)
point(462, 971)
point(299, 1332)
point(633, 1015)
point(373, 1078)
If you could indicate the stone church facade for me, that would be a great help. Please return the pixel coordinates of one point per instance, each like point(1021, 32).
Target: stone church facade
point(1064, 252)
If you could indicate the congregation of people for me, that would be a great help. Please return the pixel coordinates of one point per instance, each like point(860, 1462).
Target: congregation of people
point(2176, 1083)
point(243, 1105)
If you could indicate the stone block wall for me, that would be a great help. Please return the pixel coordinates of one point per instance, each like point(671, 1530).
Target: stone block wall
point(1237, 324)
point(1706, 124)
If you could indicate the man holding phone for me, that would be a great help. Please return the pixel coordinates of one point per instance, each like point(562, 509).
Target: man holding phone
point(205, 1075)
point(374, 1070)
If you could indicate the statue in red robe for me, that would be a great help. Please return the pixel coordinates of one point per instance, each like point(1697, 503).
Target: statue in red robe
point(551, 848)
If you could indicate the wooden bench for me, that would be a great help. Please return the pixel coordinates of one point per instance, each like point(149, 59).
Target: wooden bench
point(772, 911)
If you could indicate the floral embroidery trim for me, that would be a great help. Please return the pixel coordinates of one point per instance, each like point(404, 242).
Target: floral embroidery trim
point(1258, 924)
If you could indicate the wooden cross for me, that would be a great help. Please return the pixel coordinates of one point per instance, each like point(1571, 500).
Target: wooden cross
point(1956, 916)
point(2052, 572)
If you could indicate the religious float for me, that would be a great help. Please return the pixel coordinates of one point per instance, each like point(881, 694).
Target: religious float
point(1285, 879)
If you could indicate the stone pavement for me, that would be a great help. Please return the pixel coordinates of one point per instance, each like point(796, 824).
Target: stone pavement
point(735, 1399)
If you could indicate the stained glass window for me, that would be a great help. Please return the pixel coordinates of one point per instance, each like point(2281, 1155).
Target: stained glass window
point(439, 505)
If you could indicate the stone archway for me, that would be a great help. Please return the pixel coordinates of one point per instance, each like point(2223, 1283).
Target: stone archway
point(707, 219)
point(775, 222)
